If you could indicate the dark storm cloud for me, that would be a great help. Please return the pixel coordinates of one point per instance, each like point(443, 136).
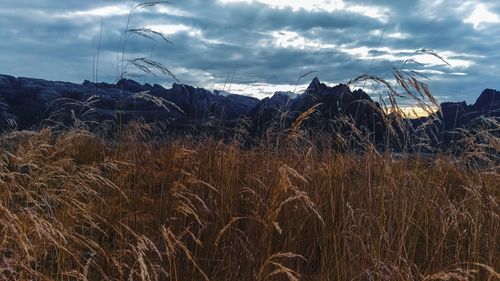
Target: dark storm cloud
point(260, 43)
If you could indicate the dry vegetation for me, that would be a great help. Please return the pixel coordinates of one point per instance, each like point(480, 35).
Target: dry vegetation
point(76, 207)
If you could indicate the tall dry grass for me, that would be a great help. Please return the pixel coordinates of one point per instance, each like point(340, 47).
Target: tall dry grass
point(76, 207)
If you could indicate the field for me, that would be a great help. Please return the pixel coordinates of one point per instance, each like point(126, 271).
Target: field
point(74, 206)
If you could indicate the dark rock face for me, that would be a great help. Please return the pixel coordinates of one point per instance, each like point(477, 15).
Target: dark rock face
point(29, 103)
point(458, 114)
point(201, 104)
point(455, 120)
point(454, 114)
point(334, 102)
point(270, 110)
point(488, 100)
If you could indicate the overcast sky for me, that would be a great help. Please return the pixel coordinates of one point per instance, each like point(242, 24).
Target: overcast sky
point(262, 45)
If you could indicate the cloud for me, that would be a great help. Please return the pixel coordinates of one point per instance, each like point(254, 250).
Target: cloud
point(267, 44)
point(481, 15)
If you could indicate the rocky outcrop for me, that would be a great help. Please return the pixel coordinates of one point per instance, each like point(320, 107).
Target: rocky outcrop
point(270, 111)
point(200, 104)
point(458, 114)
point(461, 124)
point(27, 103)
point(332, 103)
point(488, 100)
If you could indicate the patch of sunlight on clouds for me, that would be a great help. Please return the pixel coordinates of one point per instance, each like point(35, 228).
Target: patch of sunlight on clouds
point(437, 72)
point(428, 71)
point(397, 35)
point(450, 57)
point(482, 15)
point(108, 11)
point(369, 11)
point(455, 60)
point(293, 40)
point(259, 90)
point(170, 29)
point(121, 10)
point(202, 77)
point(363, 53)
point(310, 5)
point(319, 5)
point(172, 11)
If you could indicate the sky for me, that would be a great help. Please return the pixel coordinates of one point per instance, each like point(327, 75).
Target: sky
point(256, 47)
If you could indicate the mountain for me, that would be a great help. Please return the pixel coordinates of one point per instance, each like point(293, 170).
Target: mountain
point(330, 103)
point(28, 103)
point(458, 114)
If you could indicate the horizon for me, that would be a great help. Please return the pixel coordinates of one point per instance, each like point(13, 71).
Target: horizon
point(258, 47)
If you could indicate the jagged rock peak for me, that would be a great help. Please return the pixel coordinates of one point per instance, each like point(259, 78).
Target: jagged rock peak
point(314, 85)
point(488, 97)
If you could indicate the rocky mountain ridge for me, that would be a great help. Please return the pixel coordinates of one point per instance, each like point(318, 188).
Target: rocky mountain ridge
point(27, 103)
